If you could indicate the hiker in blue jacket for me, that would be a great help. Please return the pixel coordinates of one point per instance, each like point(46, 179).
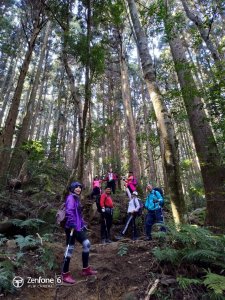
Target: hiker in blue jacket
point(153, 204)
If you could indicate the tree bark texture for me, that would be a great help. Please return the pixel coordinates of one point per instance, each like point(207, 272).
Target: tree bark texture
point(6, 136)
point(131, 130)
point(170, 155)
point(213, 173)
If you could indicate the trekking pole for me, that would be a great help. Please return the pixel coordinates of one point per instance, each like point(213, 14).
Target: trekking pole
point(67, 248)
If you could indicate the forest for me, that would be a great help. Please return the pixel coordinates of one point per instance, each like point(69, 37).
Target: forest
point(89, 85)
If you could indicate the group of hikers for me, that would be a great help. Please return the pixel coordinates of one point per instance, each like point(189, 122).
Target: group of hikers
point(76, 227)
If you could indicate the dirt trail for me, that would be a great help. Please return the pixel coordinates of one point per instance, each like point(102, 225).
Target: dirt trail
point(119, 277)
point(123, 277)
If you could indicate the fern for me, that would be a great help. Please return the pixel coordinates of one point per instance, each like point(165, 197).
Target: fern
point(215, 282)
point(3, 239)
point(28, 240)
point(32, 223)
point(48, 258)
point(203, 255)
point(192, 244)
point(167, 255)
point(185, 282)
point(123, 249)
point(6, 277)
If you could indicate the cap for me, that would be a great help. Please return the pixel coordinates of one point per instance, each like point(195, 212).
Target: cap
point(135, 193)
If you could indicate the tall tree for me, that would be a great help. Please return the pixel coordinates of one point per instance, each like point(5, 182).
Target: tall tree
point(6, 136)
point(205, 32)
point(170, 154)
point(126, 95)
point(17, 158)
point(212, 169)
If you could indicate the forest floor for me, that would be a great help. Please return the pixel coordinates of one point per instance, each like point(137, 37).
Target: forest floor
point(127, 269)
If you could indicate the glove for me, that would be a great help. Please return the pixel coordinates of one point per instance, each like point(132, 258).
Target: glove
point(103, 209)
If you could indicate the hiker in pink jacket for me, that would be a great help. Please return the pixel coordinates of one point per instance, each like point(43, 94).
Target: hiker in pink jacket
point(96, 185)
point(131, 182)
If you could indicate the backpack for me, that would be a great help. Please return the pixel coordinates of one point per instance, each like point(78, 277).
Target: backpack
point(61, 215)
point(139, 212)
point(158, 189)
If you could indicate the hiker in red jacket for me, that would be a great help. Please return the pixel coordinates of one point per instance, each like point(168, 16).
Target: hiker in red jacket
point(106, 204)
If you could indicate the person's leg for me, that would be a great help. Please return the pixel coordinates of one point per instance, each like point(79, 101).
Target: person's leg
point(109, 219)
point(134, 228)
point(70, 241)
point(149, 221)
point(160, 219)
point(103, 227)
point(128, 221)
point(82, 239)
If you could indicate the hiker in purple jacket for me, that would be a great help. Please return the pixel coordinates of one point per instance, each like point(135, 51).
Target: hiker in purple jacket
point(75, 230)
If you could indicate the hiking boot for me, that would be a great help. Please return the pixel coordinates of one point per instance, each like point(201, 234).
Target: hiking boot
point(67, 277)
point(148, 238)
point(88, 271)
point(108, 241)
point(103, 241)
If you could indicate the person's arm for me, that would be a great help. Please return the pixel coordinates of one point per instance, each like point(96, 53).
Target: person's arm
point(70, 212)
point(128, 193)
point(102, 201)
point(137, 204)
point(158, 197)
point(147, 202)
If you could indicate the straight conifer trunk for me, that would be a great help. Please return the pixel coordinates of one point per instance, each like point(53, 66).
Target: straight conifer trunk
point(6, 136)
point(213, 173)
point(170, 155)
point(131, 131)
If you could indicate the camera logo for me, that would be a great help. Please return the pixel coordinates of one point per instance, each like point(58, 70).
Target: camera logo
point(18, 281)
point(58, 279)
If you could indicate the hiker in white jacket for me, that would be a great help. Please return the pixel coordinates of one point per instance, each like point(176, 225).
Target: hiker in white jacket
point(132, 212)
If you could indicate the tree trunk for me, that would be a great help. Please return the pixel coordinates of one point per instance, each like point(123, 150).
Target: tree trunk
point(18, 155)
point(8, 131)
point(170, 145)
point(213, 173)
point(131, 130)
point(205, 32)
point(7, 89)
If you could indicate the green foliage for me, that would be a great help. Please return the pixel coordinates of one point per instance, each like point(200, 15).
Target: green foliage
point(27, 241)
point(192, 244)
point(185, 282)
point(29, 223)
point(215, 282)
point(6, 277)
point(116, 214)
point(3, 239)
point(47, 258)
point(122, 250)
point(117, 12)
point(34, 149)
point(169, 255)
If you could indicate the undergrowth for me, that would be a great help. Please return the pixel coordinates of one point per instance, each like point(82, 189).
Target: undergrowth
point(188, 245)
